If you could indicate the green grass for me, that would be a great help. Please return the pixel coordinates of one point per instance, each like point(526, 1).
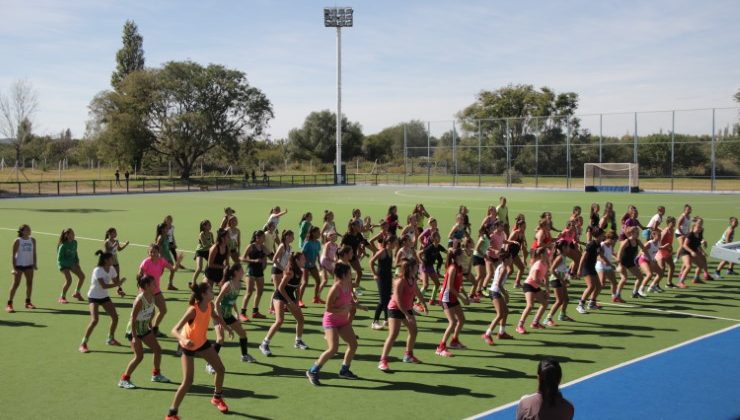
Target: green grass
point(44, 376)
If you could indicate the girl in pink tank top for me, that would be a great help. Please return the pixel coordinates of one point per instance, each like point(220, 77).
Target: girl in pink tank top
point(337, 322)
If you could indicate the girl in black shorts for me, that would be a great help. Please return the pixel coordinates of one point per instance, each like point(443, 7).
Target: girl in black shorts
point(518, 243)
point(286, 297)
point(560, 288)
point(205, 242)
point(103, 278)
point(256, 259)
point(218, 257)
point(355, 240)
point(384, 278)
point(691, 253)
point(587, 268)
point(627, 256)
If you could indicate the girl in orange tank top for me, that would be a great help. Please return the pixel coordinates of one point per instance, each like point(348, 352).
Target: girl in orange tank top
point(191, 334)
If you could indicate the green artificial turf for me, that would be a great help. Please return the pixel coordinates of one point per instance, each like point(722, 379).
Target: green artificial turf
point(44, 376)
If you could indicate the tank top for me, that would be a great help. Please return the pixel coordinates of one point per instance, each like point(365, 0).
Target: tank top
point(496, 276)
point(666, 239)
point(228, 301)
point(630, 252)
point(683, 228)
point(205, 241)
point(141, 324)
point(24, 256)
point(385, 266)
point(608, 251)
point(219, 258)
point(112, 247)
point(282, 262)
point(726, 239)
point(651, 249)
point(197, 328)
point(256, 254)
point(448, 284)
point(486, 243)
point(497, 242)
point(233, 237)
point(295, 281)
point(407, 295)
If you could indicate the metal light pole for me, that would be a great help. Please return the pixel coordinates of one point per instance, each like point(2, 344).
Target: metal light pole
point(338, 17)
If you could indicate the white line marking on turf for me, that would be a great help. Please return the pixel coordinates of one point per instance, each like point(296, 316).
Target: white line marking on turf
point(615, 367)
point(36, 232)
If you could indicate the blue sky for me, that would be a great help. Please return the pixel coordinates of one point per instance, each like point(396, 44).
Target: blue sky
point(402, 60)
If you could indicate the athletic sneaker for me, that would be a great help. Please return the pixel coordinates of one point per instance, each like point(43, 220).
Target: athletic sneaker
point(617, 299)
point(476, 299)
point(83, 348)
point(220, 404)
point(299, 344)
point(112, 342)
point(456, 344)
point(504, 336)
point(160, 378)
point(485, 293)
point(518, 285)
point(265, 349)
point(313, 378)
point(126, 384)
point(9, 309)
point(317, 300)
point(682, 285)
point(347, 374)
point(160, 334)
point(642, 293)
point(243, 318)
point(210, 369)
point(581, 309)
point(594, 306)
point(78, 296)
point(383, 365)
point(359, 290)
point(488, 339)
point(410, 358)
point(550, 323)
point(562, 317)
point(248, 358)
point(443, 352)
point(653, 290)
point(698, 281)
point(29, 305)
point(731, 273)
point(376, 325)
point(62, 300)
point(635, 295)
point(171, 287)
point(659, 289)
point(419, 309)
point(301, 304)
point(717, 275)
point(537, 326)
point(670, 286)
point(172, 417)
point(257, 315)
point(520, 329)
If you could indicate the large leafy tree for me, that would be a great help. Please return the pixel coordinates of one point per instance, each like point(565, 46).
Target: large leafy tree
point(387, 145)
point(196, 109)
point(130, 57)
point(316, 139)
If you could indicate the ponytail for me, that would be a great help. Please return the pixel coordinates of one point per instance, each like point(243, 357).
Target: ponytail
point(21, 228)
point(103, 257)
point(549, 375)
point(286, 233)
point(109, 232)
point(143, 281)
point(198, 290)
point(231, 270)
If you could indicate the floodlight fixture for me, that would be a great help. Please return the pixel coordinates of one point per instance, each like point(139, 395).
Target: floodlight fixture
point(338, 17)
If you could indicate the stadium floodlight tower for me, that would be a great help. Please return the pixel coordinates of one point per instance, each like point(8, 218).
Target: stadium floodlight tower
point(338, 17)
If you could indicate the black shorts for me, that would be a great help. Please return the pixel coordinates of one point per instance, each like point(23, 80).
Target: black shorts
point(214, 274)
point(202, 254)
point(591, 271)
point(23, 267)
point(291, 291)
point(528, 288)
point(130, 336)
point(193, 353)
point(449, 305)
point(99, 301)
point(514, 250)
point(256, 272)
point(556, 284)
point(478, 260)
point(398, 314)
point(625, 264)
point(276, 270)
point(228, 320)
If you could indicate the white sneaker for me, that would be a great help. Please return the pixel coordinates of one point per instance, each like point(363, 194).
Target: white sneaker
point(376, 326)
point(642, 293)
point(265, 349)
point(210, 369)
point(248, 358)
point(299, 344)
point(581, 309)
point(715, 276)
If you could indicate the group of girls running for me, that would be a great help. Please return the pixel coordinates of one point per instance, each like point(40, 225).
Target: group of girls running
point(400, 258)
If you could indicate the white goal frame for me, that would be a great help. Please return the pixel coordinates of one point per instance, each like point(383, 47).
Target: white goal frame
point(597, 176)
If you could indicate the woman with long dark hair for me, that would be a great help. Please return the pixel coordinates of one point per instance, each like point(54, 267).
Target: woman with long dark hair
point(548, 402)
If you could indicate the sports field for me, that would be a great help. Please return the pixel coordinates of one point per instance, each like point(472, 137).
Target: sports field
point(44, 376)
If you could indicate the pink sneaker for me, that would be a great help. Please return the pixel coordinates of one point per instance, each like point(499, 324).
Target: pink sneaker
point(383, 365)
point(520, 329)
point(488, 339)
point(78, 296)
point(83, 348)
point(443, 352)
point(62, 300)
point(537, 326)
point(505, 336)
point(551, 323)
point(456, 344)
point(410, 358)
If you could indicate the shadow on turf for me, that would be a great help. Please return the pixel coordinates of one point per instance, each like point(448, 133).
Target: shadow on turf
point(82, 211)
point(7, 323)
point(405, 386)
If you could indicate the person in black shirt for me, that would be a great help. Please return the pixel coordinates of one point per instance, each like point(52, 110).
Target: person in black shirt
point(691, 252)
point(429, 256)
point(587, 268)
point(353, 238)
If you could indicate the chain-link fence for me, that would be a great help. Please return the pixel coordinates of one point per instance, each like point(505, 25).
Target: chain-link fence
point(675, 150)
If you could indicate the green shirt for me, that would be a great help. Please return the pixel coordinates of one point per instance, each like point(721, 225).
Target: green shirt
point(228, 302)
point(304, 228)
point(67, 255)
point(205, 241)
point(503, 214)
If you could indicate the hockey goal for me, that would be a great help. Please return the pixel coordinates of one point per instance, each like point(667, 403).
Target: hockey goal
point(611, 177)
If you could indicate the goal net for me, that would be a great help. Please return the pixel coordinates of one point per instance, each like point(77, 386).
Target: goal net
point(613, 177)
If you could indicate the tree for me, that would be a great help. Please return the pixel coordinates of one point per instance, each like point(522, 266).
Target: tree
point(16, 111)
point(317, 138)
point(130, 57)
point(196, 109)
point(388, 144)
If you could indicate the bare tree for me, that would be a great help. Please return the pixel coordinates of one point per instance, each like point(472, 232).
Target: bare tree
point(16, 111)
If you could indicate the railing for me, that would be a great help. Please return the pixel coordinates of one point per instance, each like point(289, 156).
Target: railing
point(159, 185)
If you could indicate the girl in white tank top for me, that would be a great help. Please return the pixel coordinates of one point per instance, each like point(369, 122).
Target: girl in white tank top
point(24, 263)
